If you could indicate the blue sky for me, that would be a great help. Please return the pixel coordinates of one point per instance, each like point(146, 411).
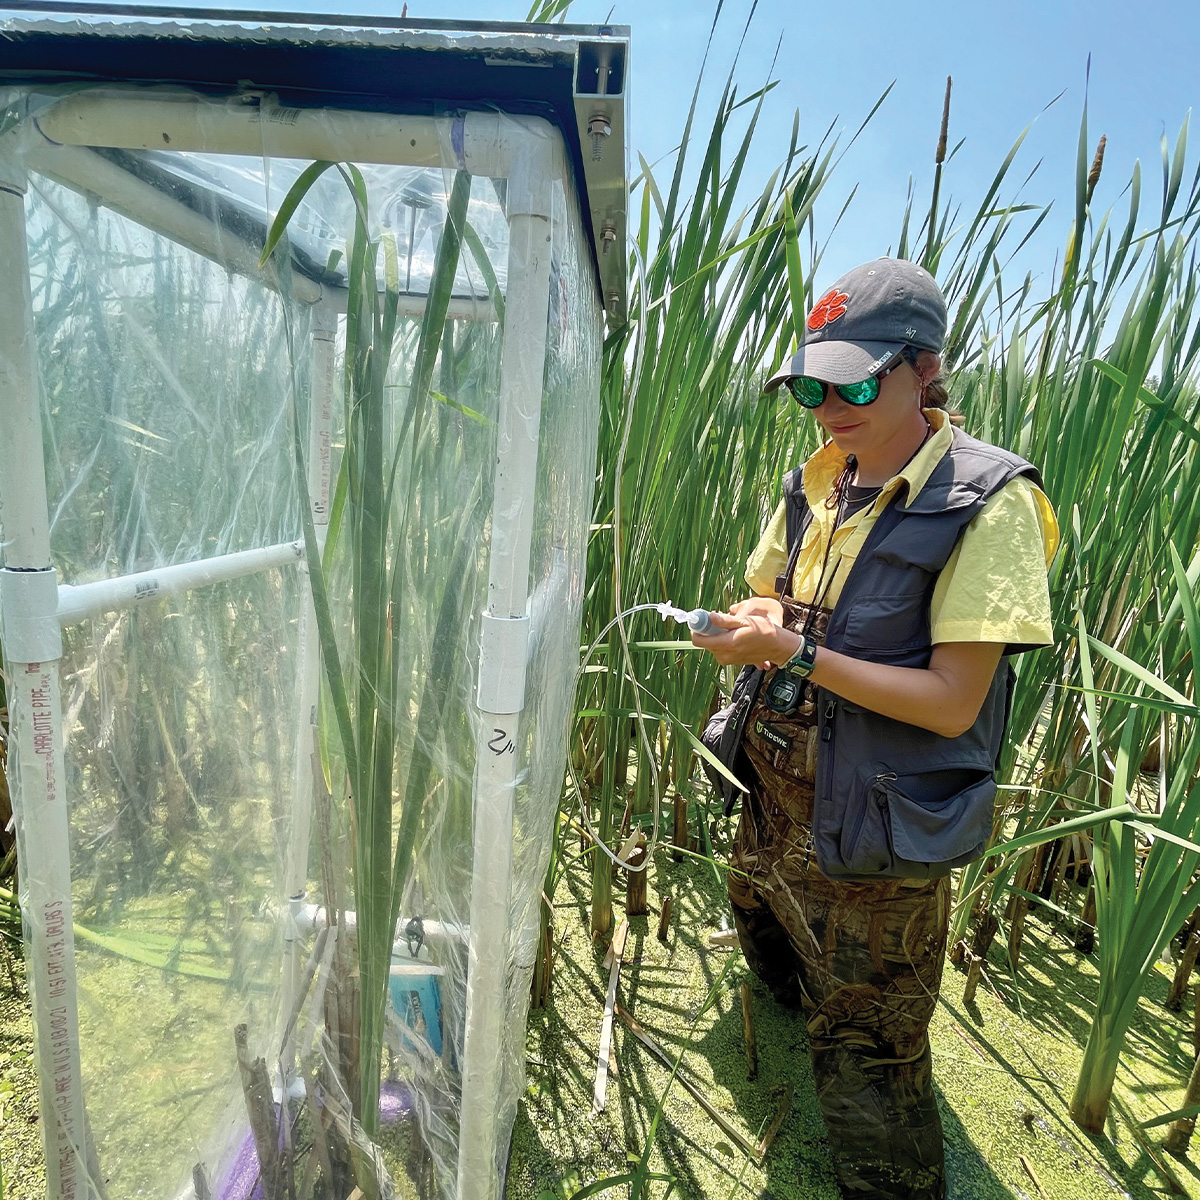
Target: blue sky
point(1009, 60)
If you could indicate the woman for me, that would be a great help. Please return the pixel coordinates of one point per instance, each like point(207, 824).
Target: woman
point(915, 567)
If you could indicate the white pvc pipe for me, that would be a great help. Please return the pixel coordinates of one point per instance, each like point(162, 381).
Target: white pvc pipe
point(502, 656)
point(162, 119)
point(36, 768)
point(82, 170)
point(487, 144)
point(320, 482)
point(308, 681)
point(23, 508)
point(550, 600)
point(311, 917)
point(127, 591)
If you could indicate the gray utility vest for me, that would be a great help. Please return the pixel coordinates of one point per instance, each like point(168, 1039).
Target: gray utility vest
point(893, 798)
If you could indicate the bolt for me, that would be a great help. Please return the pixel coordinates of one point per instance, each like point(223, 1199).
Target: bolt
point(599, 128)
point(608, 236)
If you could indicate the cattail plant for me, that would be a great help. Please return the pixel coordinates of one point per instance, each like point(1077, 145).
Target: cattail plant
point(366, 693)
point(1140, 901)
point(1061, 381)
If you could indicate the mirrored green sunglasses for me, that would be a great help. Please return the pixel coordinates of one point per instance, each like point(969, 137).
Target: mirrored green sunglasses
point(811, 392)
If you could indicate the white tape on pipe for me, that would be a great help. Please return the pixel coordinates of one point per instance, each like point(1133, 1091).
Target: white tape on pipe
point(502, 657)
point(29, 628)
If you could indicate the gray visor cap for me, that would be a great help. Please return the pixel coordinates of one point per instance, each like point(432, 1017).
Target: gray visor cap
point(838, 362)
point(869, 315)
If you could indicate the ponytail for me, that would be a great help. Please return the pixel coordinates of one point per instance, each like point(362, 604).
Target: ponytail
point(935, 395)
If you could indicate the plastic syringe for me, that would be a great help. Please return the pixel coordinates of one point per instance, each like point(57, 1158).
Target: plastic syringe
point(698, 620)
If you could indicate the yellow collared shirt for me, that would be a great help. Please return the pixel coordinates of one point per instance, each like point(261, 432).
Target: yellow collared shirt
point(993, 587)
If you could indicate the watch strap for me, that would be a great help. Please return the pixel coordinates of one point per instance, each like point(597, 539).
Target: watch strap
point(804, 659)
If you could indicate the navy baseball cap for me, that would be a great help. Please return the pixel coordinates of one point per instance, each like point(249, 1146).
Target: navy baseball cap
point(863, 321)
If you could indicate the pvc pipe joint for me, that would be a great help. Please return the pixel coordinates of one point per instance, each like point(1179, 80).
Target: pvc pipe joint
point(29, 628)
point(524, 150)
point(503, 653)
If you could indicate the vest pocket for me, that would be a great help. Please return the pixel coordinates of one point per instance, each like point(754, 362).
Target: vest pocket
point(914, 827)
point(865, 846)
point(943, 832)
point(891, 624)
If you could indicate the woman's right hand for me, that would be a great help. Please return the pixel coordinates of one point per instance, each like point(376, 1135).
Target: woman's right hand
point(747, 638)
point(759, 606)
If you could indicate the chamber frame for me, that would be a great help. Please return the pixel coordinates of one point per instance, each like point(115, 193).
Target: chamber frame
point(59, 142)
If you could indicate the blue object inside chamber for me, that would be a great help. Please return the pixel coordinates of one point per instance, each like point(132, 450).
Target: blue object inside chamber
point(416, 996)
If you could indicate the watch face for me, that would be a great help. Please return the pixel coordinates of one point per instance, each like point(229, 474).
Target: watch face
point(784, 692)
point(801, 663)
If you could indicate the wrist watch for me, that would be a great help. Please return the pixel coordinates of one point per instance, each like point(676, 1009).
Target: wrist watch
point(804, 660)
point(785, 692)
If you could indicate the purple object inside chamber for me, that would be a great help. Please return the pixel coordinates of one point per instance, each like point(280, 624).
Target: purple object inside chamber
point(240, 1179)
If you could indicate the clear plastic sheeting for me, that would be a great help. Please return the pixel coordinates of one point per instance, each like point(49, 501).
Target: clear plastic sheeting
point(411, 207)
point(206, 876)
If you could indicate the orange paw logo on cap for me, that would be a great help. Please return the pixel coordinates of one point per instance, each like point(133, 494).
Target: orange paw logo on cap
point(831, 306)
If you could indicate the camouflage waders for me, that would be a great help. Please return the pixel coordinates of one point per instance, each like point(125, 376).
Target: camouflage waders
point(863, 960)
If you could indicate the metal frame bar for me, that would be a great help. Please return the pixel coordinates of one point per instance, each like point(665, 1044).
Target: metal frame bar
point(537, 33)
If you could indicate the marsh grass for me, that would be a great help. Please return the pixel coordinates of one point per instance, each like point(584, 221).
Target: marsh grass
point(1062, 380)
point(1003, 1068)
point(1090, 372)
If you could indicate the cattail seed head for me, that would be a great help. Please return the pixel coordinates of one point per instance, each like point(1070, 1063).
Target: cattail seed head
point(941, 146)
point(1093, 176)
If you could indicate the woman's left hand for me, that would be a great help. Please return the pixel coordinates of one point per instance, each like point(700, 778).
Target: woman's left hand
point(747, 639)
